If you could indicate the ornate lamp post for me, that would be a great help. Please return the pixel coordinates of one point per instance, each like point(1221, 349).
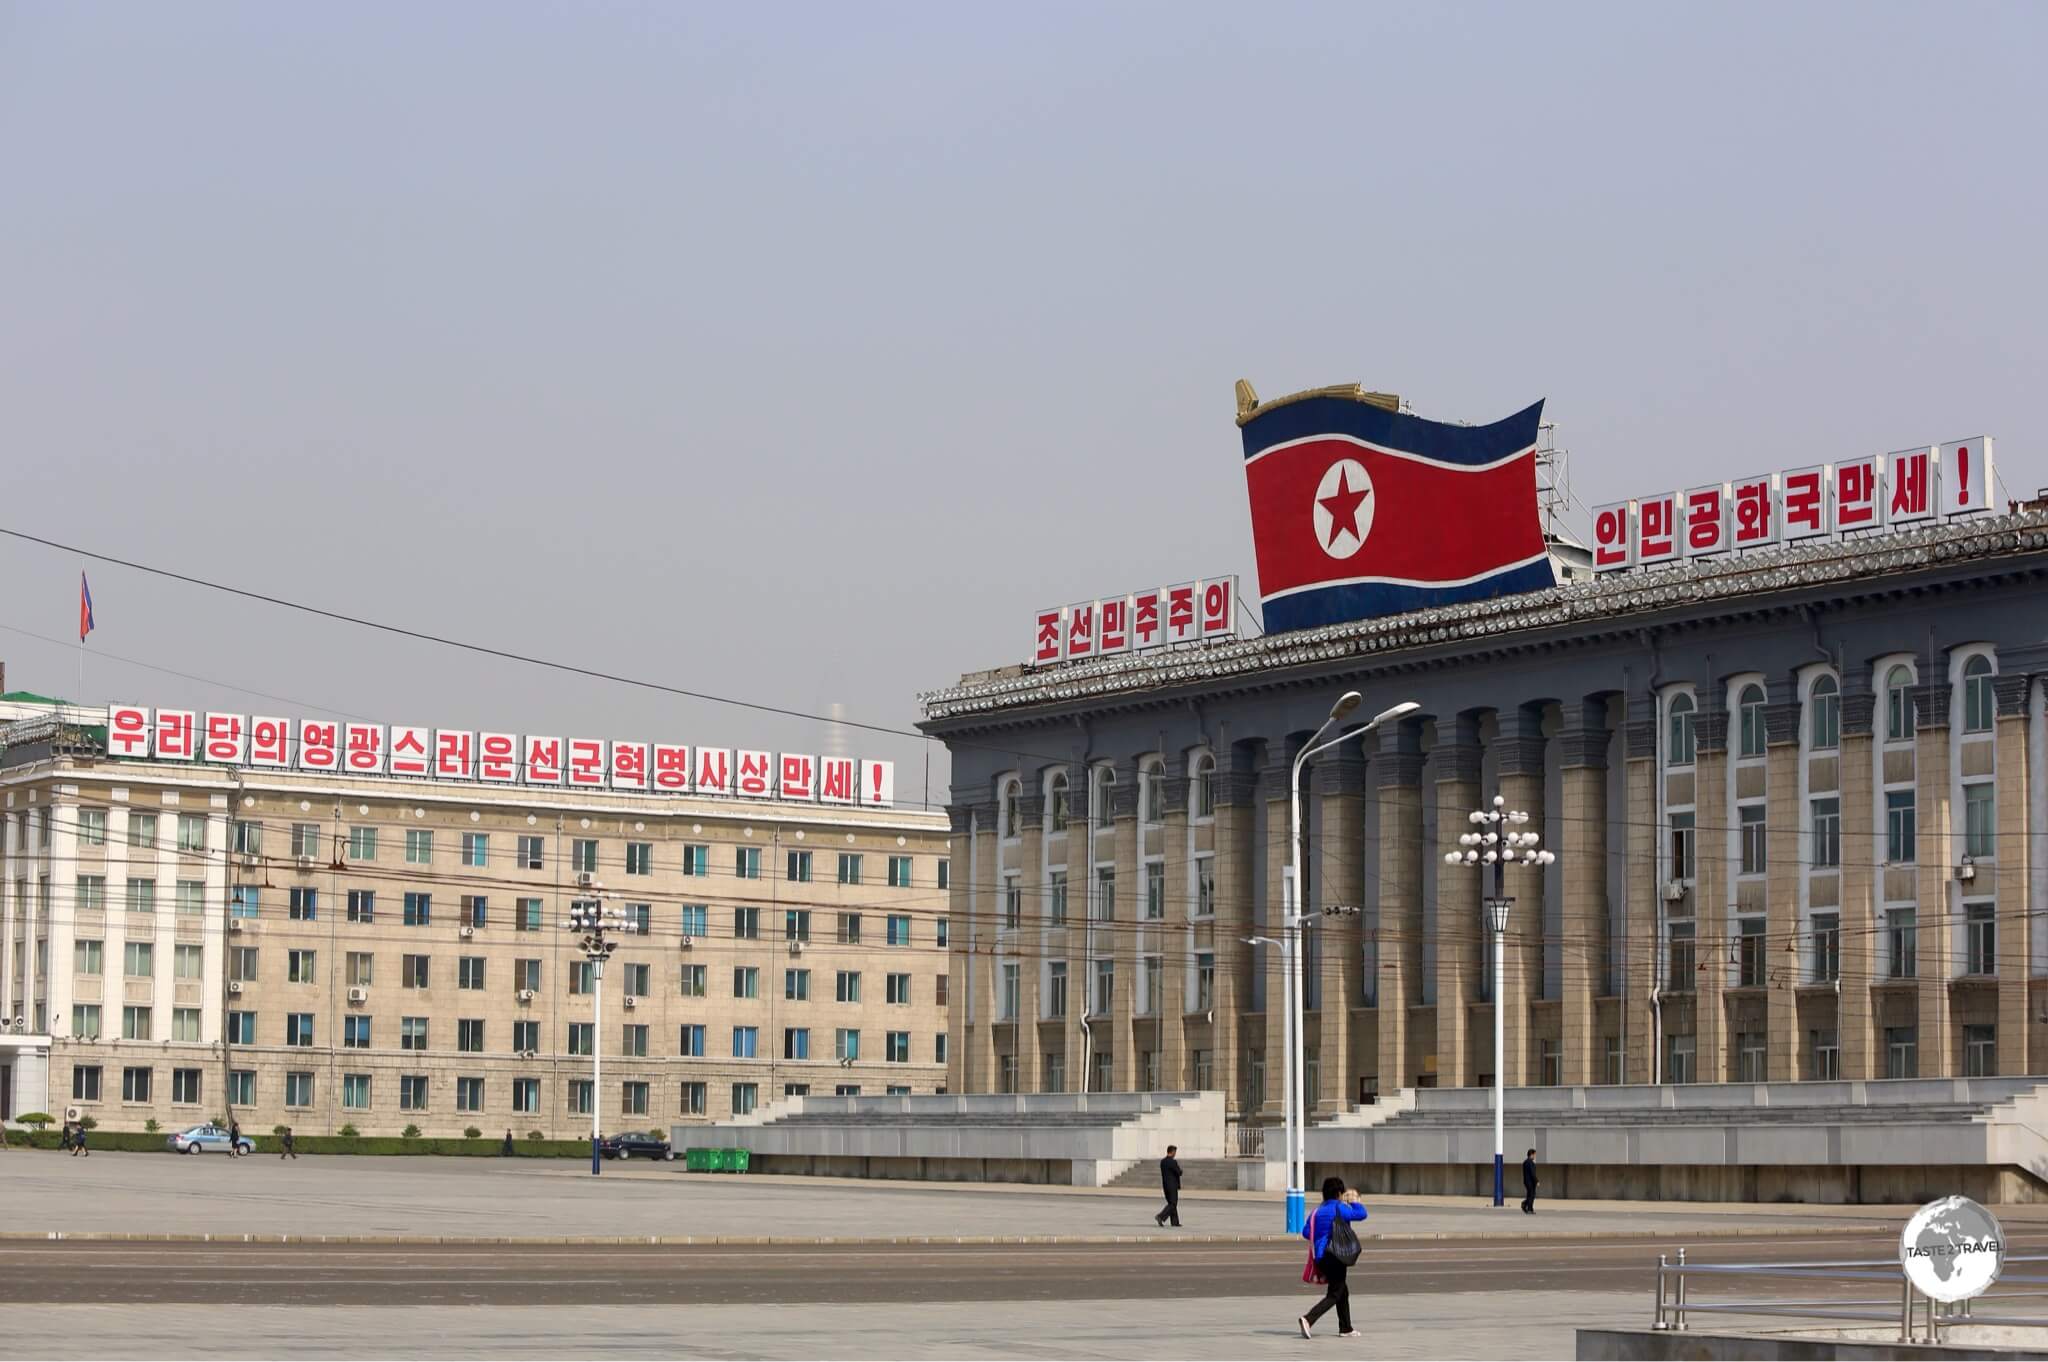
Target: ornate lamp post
point(592, 918)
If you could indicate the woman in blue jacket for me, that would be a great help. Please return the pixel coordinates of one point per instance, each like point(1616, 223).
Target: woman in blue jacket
point(1339, 1203)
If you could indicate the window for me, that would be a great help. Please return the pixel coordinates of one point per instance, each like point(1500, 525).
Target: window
point(796, 985)
point(139, 960)
point(1902, 937)
point(1981, 926)
point(1678, 1061)
point(1013, 902)
point(1155, 892)
point(633, 1098)
point(1827, 833)
point(1749, 953)
point(301, 967)
point(899, 872)
point(1683, 742)
point(1205, 980)
point(142, 896)
point(526, 1096)
point(896, 1047)
point(469, 971)
point(639, 858)
point(298, 1089)
point(746, 981)
point(696, 859)
point(92, 827)
point(1205, 886)
point(640, 917)
point(1751, 818)
point(582, 1037)
point(846, 1043)
point(1751, 1059)
point(695, 920)
point(306, 839)
point(362, 844)
point(945, 874)
point(526, 974)
point(1149, 970)
point(469, 1094)
point(1826, 701)
point(690, 1044)
point(796, 924)
point(1104, 990)
point(414, 970)
point(1056, 897)
point(1681, 846)
point(298, 1029)
point(853, 1089)
point(192, 832)
point(1056, 805)
point(849, 867)
point(362, 905)
point(746, 862)
point(474, 910)
point(355, 1033)
point(796, 1042)
point(696, 981)
point(1980, 1051)
point(1980, 825)
point(525, 1037)
point(939, 990)
point(1680, 969)
point(848, 987)
point(469, 1034)
point(1902, 1052)
point(531, 853)
point(412, 1092)
point(583, 855)
point(305, 904)
point(1978, 703)
point(142, 830)
point(86, 956)
point(1056, 989)
point(1899, 718)
point(800, 867)
point(693, 1100)
point(897, 988)
point(1202, 787)
point(526, 915)
point(746, 923)
point(633, 978)
point(745, 1039)
point(939, 1052)
point(939, 932)
point(412, 1033)
point(419, 846)
point(745, 1097)
point(1824, 1054)
point(633, 1040)
point(241, 1087)
point(1827, 948)
point(1101, 796)
point(85, 1020)
point(899, 930)
point(241, 1028)
point(244, 900)
point(582, 978)
point(361, 966)
point(135, 1085)
point(1899, 827)
point(581, 1097)
point(187, 961)
point(1007, 1005)
point(419, 910)
point(1152, 792)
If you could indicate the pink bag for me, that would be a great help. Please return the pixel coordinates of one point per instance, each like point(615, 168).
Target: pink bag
point(1311, 1275)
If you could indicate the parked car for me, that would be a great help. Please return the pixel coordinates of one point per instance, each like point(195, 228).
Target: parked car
point(201, 1138)
point(636, 1144)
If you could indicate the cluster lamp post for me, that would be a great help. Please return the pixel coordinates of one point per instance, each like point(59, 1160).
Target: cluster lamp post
point(592, 918)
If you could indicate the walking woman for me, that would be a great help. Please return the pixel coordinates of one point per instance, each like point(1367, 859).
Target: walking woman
point(1334, 1248)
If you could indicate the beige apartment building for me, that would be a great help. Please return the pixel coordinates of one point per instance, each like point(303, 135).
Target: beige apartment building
point(182, 941)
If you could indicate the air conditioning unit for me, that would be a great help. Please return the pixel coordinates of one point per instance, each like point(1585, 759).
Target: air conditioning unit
point(1674, 890)
point(631, 1002)
point(234, 985)
point(303, 862)
point(688, 942)
point(528, 1054)
point(468, 931)
point(1967, 870)
point(585, 880)
point(72, 1113)
point(359, 995)
point(525, 995)
point(796, 948)
point(234, 924)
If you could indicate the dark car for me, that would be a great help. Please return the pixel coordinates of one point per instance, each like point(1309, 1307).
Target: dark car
point(636, 1144)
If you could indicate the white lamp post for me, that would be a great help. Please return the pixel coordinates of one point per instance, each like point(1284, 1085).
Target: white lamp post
point(593, 917)
point(1500, 845)
point(1295, 1104)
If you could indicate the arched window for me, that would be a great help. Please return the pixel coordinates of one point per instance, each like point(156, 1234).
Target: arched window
point(1152, 790)
point(1007, 811)
point(1826, 700)
point(1683, 743)
point(1202, 787)
point(1899, 721)
point(1750, 705)
point(1099, 796)
point(1978, 704)
point(1056, 802)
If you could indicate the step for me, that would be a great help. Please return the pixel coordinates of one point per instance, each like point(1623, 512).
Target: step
point(1196, 1175)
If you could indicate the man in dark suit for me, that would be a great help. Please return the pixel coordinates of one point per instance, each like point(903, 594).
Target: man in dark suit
point(1169, 1179)
point(1529, 1184)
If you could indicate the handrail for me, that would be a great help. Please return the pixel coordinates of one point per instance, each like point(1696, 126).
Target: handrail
point(1920, 1318)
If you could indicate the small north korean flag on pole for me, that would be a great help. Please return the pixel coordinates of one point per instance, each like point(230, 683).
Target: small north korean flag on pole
point(84, 607)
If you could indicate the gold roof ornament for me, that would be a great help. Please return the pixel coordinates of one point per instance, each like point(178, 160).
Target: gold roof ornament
point(1249, 406)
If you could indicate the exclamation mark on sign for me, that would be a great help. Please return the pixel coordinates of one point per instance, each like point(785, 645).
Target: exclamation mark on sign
point(1963, 474)
point(875, 787)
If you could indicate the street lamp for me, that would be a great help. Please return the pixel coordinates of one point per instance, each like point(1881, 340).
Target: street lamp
point(592, 918)
point(1294, 1104)
point(1501, 844)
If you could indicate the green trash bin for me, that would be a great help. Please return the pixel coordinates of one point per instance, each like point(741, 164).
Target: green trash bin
point(700, 1160)
point(732, 1160)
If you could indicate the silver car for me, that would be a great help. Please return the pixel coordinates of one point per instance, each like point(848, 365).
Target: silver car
point(201, 1138)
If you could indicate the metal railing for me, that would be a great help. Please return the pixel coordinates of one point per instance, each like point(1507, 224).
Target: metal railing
point(1245, 1141)
point(1919, 1318)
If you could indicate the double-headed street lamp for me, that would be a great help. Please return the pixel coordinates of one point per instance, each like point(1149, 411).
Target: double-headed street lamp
point(592, 918)
point(1498, 840)
point(1294, 1103)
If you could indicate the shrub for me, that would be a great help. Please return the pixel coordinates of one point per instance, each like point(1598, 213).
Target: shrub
point(277, 1130)
point(89, 1123)
point(472, 1133)
point(348, 1132)
point(36, 1120)
point(535, 1135)
point(151, 1125)
point(411, 1132)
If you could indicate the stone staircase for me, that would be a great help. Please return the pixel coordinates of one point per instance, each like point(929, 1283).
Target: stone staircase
point(1196, 1175)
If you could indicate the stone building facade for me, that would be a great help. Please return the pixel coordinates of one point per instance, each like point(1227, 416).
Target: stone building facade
point(1795, 797)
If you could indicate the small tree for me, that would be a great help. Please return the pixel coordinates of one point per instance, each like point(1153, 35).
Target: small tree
point(35, 1119)
point(151, 1126)
point(348, 1132)
point(472, 1133)
point(535, 1135)
point(411, 1132)
point(277, 1130)
point(89, 1123)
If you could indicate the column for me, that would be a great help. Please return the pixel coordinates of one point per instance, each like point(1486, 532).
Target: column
point(1716, 849)
point(1176, 938)
point(1339, 857)
point(1520, 762)
point(1275, 779)
point(1397, 776)
point(1782, 784)
point(1640, 967)
point(1582, 752)
point(1937, 908)
point(960, 909)
point(1031, 946)
point(1129, 919)
point(1461, 932)
point(1235, 790)
point(2014, 873)
point(1861, 1054)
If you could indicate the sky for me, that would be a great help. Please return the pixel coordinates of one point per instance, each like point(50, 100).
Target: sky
point(798, 353)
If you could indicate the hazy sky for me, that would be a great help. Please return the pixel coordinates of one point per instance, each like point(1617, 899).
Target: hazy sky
point(799, 353)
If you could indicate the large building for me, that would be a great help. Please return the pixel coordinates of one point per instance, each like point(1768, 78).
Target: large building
point(1795, 796)
point(184, 939)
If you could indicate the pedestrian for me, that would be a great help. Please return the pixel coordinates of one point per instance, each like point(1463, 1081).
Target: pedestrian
point(1529, 1184)
point(234, 1138)
point(1169, 1180)
point(78, 1141)
point(506, 1152)
point(1333, 1249)
point(284, 1145)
